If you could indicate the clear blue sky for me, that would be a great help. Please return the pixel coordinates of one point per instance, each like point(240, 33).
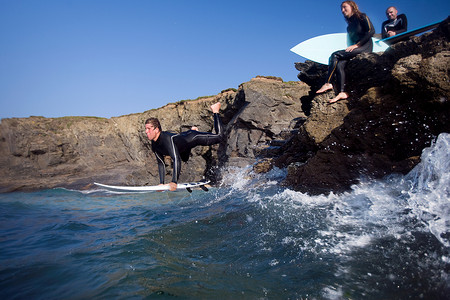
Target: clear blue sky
point(109, 58)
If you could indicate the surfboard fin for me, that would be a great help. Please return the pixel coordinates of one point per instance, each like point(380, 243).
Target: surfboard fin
point(204, 188)
point(189, 190)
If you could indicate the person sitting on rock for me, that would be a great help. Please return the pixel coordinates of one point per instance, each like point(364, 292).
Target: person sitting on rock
point(178, 146)
point(395, 24)
point(360, 31)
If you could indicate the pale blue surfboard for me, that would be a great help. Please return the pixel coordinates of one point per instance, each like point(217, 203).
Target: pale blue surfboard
point(319, 48)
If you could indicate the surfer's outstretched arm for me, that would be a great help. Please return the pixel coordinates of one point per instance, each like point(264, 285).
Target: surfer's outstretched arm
point(176, 158)
point(161, 168)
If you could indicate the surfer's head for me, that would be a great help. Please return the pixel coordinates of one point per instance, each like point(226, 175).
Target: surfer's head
point(152, 128)
point(350, 8)
point(391, 13)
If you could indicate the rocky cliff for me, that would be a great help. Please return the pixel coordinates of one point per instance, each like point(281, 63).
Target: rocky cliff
point(73, 152)
point(398, 104)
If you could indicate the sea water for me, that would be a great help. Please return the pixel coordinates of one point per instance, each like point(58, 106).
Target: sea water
point(248, 238)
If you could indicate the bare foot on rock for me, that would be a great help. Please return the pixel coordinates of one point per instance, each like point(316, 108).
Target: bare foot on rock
point(340, 96)
point(324, 88)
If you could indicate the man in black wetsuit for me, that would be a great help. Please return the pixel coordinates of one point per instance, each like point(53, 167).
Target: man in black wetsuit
point(395, 24)
point(178, 146)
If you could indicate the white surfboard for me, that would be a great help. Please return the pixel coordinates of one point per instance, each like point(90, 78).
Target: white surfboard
point(319, 48)
point(153, 188)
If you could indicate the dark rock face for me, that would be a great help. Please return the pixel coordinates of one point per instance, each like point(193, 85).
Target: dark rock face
point(399, 102)
point(270, 110)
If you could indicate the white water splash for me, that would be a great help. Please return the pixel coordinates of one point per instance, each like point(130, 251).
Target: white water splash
point(244, 178)
point(429, 194)
point(374, 213)
point(371, 210)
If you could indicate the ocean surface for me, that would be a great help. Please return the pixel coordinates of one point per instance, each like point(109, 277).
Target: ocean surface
point(248, 238)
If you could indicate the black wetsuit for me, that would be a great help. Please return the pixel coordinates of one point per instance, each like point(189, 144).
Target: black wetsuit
point(360, 32)
point(399, 25)
point(178, 146)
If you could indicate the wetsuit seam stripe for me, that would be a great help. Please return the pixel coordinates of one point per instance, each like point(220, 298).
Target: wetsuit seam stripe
point(162, 163)
point(332, 72)
point(202, 135)
point(219, 124)
point(368, 23)
point(175, 161)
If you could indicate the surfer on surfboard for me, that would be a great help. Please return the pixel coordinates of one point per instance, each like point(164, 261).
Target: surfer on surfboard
point(360, 31)
point(178, 146)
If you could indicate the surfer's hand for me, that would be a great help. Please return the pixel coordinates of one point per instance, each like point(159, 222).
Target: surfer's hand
point(351, 48)
point(391, 33)
point(172, 186)
point(161, 190)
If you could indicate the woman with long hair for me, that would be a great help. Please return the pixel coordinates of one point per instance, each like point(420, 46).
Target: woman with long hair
point(360, 31)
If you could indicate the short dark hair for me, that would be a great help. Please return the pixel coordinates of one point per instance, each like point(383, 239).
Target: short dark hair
point(154, 122)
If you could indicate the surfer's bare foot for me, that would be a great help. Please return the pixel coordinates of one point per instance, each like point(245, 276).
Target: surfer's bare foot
point(215, 108)
point(340, 96)
point(194, 128)
point(324, 88)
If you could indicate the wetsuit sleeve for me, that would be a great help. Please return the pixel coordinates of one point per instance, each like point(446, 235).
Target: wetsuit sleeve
point(368, 30)
point(383, 30)
point(161, 168)
point(404, 24)
point(176, 158)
